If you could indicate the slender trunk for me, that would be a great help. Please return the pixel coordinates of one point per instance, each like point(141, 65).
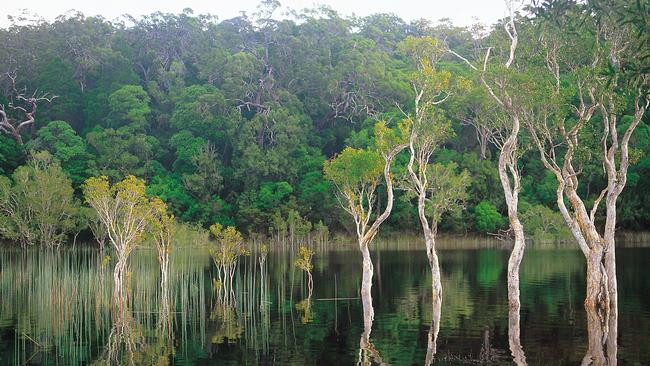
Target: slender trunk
point(508, 164)
point(436, 283)
point(368, 354)
point(610, 269)
point(310, 283)
point(119, 272)
point(514, 262)
point(366, 288)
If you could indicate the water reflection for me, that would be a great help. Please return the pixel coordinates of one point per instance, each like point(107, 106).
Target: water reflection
point(59, 308)
point(125, 337)
point(434, 329)
point(602, 329)
point(368, 353)
point(514, 336)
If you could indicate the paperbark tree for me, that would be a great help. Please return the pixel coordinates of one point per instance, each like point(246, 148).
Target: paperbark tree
point(39, 207)
point(438, 189)
point(356, 175)
point(125, 211)
point(499, 85)
point(601, 83)
point(230, 246)
point(162, 228)
point(434, 328)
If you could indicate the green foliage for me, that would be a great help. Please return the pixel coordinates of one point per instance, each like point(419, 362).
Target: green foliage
point(232, 121)
point(67, 147)
point(448, 189)
point(121, 152)
point(487, 218)
point(353, 168)
point(37, 205)
point(543, 224)
point(305, 255)
point(129, 106)
point(12, 155)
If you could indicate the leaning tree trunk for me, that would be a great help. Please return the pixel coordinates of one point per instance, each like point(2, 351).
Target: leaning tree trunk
point(434, 264)
point(429, 241)
point(508, 164)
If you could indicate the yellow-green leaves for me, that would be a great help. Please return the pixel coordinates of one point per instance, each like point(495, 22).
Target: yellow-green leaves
point(354, 167)
point(124, 209)
point(387, 139)
point(162, 225)
point(230, 245)
point(304, 260)
point(423, 51)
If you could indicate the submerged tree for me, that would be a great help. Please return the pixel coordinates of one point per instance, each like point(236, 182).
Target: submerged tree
point(437, 188)
point(305, 264)
point(607, 88)
point(125, 211)
point(501, 82)
point(356, 175)
point(162, 229)
point(229, 247)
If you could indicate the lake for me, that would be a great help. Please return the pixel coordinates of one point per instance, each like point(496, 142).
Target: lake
point(57, 308)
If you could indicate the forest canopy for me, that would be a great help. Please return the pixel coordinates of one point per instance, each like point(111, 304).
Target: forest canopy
point(231, 121)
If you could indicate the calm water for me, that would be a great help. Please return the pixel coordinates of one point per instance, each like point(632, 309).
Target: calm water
point(57, 309)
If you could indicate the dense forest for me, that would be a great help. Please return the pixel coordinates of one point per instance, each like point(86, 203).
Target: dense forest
point(232, 121)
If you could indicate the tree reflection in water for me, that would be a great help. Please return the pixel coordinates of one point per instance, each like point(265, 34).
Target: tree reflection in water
point(514, 336)
point(368, 354)
point(125, 337)
point(432, 336)
point(65, 312)
point(602, 329)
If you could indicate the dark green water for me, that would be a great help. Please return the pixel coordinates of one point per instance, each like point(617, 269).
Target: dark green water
point(57, 309)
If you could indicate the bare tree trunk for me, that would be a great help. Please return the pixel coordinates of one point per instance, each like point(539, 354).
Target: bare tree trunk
point(118, 274)
point(508, 164)
point(366, 287)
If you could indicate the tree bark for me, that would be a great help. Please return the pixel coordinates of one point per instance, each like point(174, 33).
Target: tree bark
point(508, 164)
point(118, 274)
point(366, 287)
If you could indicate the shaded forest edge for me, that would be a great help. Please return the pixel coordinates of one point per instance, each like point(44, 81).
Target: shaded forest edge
point(232, 121)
